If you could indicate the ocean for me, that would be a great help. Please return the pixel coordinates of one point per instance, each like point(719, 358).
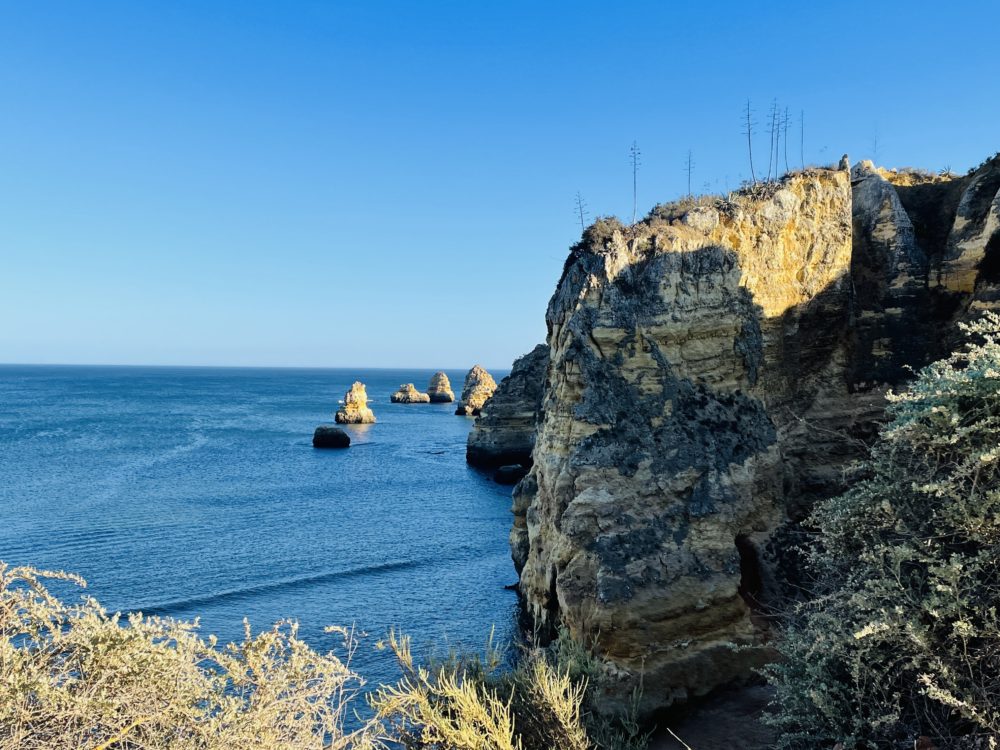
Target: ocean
point(196, 492)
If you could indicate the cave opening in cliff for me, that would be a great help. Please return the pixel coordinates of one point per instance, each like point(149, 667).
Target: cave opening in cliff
point(751, 578)
point(989, 266)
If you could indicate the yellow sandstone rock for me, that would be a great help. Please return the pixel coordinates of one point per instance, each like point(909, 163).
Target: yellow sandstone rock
point(479, 386)
point(408, 394)
point(439, 389)
point(355, 407)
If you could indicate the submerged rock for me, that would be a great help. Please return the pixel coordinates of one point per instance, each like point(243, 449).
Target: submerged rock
point(408, 394)
point(355, 408)
point(439, 389)
point(504, 432)
point(479, 386)
point(330, 437)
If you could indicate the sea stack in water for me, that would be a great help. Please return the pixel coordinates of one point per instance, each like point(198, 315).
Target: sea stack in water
point(330, 437)
point(408, 394)
point(355, 409)
point(479, 386)
point(439, 389)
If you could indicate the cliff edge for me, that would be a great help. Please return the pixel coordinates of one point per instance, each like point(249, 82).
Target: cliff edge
point(712, 371)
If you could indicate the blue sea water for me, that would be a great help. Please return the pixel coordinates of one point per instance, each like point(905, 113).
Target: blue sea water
point(195, 492)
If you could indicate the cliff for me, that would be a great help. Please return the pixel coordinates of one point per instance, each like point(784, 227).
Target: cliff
point(504, 431)
point(712, 372)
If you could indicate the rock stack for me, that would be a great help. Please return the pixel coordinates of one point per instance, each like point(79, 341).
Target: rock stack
point(479, 386)
point(408, 394)
point(439, 389)
point(355, 408)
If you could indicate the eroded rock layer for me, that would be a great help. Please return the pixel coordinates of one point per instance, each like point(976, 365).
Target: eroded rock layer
point(504, 432)
point(712, 372)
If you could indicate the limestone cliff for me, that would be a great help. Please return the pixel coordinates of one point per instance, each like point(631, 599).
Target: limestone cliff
point(355, 408)
point(504, 432)
point(408, 394)
point(478, 388)
point(712, 371)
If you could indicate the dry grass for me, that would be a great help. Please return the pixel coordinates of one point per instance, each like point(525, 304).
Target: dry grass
point(72, 676)
point(469, 703)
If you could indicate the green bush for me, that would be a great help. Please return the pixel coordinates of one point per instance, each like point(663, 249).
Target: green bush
point(903, 637)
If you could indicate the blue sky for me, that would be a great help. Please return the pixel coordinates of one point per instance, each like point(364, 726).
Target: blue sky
point(392, 184)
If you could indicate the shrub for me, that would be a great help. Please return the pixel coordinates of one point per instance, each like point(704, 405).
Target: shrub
point(76, 677)
point(466, 702)
point(903, 638)
point(73, 677)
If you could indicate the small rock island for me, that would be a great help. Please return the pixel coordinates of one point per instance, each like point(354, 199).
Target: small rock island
point(330, 437)
point(408, 394)
point(439, 389)
point(355, 408)
point(479, 386)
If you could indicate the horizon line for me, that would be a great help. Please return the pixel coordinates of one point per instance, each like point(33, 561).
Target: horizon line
point(243, 367)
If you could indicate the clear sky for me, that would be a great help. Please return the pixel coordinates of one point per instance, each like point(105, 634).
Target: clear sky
point(392, 184)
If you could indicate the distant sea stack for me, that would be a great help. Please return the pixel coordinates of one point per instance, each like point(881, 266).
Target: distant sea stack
point(439, 389)
point(408, 394)
point(504, 432)
point(355, 409)
point(479, 386)
point(330, 437)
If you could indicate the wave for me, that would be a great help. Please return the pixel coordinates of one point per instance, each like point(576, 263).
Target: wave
point(180, 605)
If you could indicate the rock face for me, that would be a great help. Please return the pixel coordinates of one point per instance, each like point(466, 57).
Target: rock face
point(439, 389)
point(479, 386)
point(355, 407)
point(712, 372)
point(504, 432)
point(408, 394)
point(330, 437)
